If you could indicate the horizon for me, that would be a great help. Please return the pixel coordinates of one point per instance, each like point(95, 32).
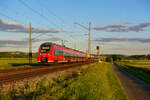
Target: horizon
point(94, 54)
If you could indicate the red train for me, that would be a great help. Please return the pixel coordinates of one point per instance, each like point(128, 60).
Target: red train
point(50, 52)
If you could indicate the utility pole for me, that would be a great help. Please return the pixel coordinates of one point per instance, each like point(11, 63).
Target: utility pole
point(89, 37)
point(30, 45)
point(62, 42)
point(89, 40)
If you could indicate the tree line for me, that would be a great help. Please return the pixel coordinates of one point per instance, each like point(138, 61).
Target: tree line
point(111, 58)
point(16, 55)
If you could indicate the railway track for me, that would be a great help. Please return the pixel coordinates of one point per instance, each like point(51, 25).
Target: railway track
point(12, 75)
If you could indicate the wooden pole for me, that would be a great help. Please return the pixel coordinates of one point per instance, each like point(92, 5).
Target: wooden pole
point(89, 40)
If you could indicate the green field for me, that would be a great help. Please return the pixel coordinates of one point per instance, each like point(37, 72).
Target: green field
point(137, 63)
point(92, 82)
point(138, 68)
point(7, 63)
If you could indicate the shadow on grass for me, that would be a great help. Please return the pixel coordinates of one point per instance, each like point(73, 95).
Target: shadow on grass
point(27, 64)
point(22, 64)
point(141, 73)
point(145, 70)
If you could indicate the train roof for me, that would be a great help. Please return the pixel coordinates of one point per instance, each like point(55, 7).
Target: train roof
point(50, 43)
point(47, 43)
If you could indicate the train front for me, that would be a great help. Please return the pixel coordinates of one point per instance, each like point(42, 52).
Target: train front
point(45, 53)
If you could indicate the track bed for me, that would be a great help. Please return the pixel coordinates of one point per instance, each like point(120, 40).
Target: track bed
point(12, 75)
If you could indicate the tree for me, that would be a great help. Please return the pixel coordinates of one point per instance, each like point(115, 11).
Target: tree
point(109, 59)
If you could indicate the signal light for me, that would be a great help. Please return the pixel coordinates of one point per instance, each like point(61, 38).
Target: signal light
point(97, 47)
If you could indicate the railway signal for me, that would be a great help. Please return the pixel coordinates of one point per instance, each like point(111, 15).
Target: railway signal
point(30, 45)
point(98, 52)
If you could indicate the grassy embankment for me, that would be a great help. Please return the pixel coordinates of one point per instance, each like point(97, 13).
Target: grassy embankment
point(138, 68)
point(7, 63)
point(93, 82)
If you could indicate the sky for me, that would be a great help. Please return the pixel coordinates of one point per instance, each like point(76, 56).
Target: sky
point(118, 26)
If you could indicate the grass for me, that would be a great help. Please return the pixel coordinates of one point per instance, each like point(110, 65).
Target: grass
point(93, 82)
point(138, 68)
point(137, 63)
point(7, 63)
point(99, 83)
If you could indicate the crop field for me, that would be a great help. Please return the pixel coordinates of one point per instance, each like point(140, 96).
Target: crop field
point(7, 63)
point(137, 63)
point(138, 68)
point(90, 82)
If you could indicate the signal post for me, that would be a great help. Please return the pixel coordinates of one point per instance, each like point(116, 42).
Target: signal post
point(30, 45)
point(98, 53)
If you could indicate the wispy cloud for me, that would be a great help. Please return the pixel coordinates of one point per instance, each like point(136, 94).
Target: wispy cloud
point(24, 42)
point(10, 43)
point(141, 40)
point(123, 27)
point(51, 39)
point(15, 27)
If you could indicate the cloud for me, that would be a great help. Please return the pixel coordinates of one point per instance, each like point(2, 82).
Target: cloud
point(55, 39)
point(141, 40)
point(12, 43)
point(24, 42)
point(15, 27)
point(15, 43)
point(123, 27)
point(51, 39)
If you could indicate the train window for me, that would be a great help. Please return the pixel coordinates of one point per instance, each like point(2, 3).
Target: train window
point(58, 52)
point(45, 48)
point(67, 55)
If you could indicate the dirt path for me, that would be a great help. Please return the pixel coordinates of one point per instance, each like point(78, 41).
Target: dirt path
point(135, 88)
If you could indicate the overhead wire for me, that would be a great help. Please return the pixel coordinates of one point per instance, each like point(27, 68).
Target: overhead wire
point(39, 35)
point(11, 18)
point(15, 20)
point(52, 13)
point(41, 15)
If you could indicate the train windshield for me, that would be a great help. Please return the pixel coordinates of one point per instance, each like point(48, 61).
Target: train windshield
point(45, 48)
